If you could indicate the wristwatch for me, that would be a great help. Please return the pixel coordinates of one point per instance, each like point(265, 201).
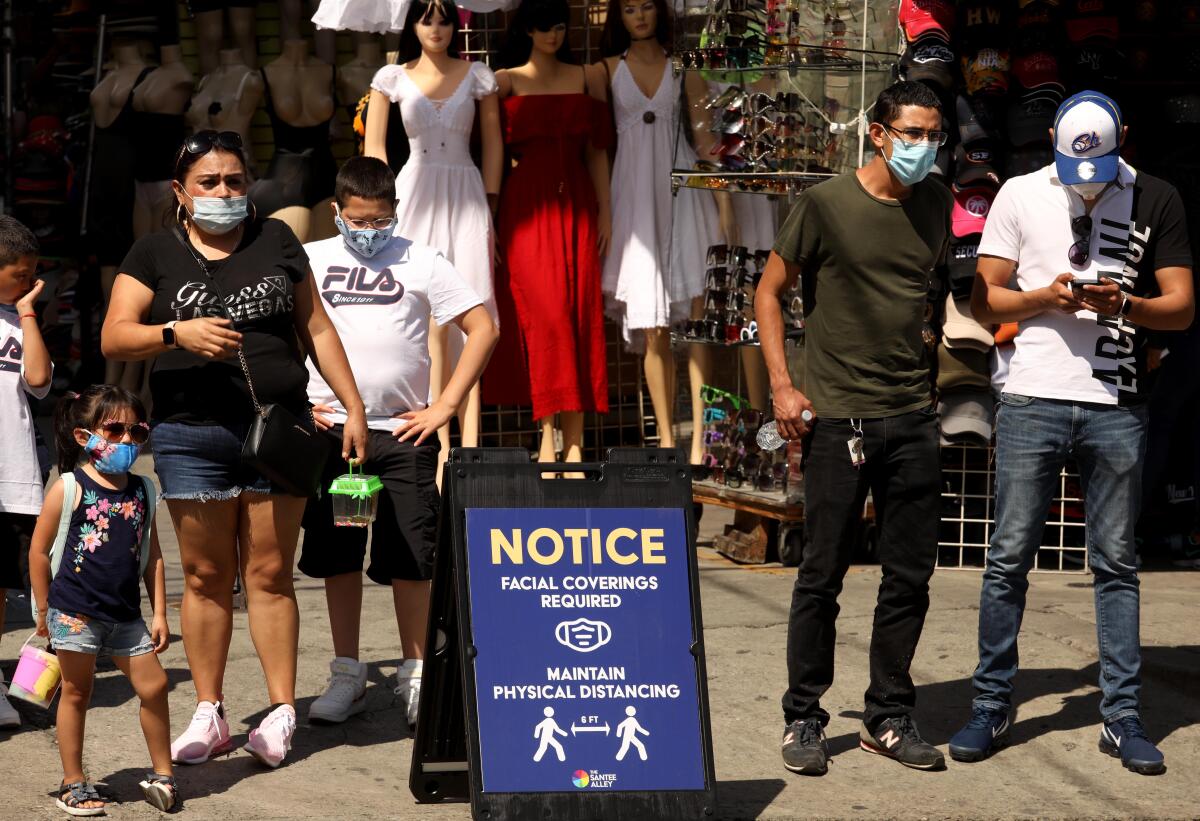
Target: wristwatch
point(169, 334)
point(1126, 305)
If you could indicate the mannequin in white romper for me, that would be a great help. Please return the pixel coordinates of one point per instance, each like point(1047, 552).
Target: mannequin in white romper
point(656, 267)
point(442, 199)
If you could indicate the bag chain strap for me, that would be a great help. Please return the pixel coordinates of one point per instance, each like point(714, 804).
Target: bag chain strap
point(258, 408)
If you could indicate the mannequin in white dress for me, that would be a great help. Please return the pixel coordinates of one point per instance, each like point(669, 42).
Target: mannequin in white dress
point(656, 267)
point(444, 201)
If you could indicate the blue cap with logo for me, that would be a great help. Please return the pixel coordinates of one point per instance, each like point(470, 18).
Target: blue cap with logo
point(1087, 138)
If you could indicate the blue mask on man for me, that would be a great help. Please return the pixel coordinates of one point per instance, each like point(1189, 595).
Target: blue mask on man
point(110, 457)
point(366, 242)
point(911, 162)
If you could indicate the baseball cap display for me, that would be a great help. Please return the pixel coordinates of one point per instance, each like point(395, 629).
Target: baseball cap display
point(973, 165)
point(986, 71)
point(966, 418)
point(1090, 18)
point(1037, 69)
point(982, 23)
point(945, 153)
point(962, 369)
point(961, 258)
point(931, 60)
point(919, 17)
point(1029, 159)
point(1095, 64)
point(960, 329)
point(1087, 138)
point(1030, 117)
point(975, 120)
point(971, 207)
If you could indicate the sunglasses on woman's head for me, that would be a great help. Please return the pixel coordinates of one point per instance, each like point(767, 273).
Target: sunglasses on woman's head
point(139, 432)
point(204, 141)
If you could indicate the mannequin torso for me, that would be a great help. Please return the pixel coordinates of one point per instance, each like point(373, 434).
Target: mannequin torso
point(226, 99)
point(112, 93)
point(354, 78)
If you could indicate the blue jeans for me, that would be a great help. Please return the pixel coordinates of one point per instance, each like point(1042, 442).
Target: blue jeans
point(1034, 437)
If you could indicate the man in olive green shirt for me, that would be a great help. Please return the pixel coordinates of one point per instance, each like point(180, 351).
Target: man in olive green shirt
point(865, 246)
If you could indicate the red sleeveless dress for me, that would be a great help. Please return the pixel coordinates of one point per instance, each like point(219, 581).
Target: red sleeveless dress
point(551, 349)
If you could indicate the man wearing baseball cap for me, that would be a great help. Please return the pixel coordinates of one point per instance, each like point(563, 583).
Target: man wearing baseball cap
point(864, 247)
point(1101, 257)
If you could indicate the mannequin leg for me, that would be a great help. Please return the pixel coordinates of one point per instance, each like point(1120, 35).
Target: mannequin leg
point(439, 374)
point(755, 371)
point(469, 418)
point(572, 432)
point(320, 221)
point(289, 19)
point(210, 27)
point(298, 218)
point(324, 40)
point(547, 453)
point(699, 373)
point(659, 367)
point(241, 20)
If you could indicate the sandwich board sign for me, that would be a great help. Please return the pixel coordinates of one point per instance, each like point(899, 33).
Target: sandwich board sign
point(568, 610)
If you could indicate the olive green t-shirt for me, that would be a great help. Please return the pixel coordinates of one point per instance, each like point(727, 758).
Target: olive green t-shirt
point(866, 266)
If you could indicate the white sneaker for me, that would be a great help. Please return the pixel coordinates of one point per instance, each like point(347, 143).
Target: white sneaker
point(408, 687)
point(207, 735)
point(272, 740)
point(346, 694)
point(9, 717)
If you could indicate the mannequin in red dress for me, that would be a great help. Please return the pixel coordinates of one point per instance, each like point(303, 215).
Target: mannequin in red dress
point(554, 228)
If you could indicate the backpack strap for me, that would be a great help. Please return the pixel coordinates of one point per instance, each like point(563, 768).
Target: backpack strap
point(64, 526)
point(144, 546)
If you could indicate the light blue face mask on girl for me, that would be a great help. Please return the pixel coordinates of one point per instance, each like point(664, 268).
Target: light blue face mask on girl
point(110, 457)
point(911, 162)
point(218, 215)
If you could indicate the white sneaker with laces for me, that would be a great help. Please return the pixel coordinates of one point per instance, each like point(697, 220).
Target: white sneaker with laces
point(9, 717)
point(346, 694)
point(270, 742)
point(206, 736)
point(408, 687)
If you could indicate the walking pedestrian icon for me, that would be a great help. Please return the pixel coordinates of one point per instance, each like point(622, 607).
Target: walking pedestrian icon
point(628, 731)
point(545, 732)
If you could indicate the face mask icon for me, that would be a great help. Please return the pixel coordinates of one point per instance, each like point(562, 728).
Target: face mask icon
point(583, 635)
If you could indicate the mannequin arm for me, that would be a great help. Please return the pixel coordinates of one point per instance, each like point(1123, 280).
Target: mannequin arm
point(493, 148)
point(597, 163)
point(379, 107)
point(698, 121)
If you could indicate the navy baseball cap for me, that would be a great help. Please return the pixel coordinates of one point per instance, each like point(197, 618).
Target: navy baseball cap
point(1087, 138)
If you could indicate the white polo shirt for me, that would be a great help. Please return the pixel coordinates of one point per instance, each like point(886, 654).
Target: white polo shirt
point(1138, 227)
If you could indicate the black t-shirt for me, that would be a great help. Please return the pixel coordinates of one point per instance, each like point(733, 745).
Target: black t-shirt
point(258, 281)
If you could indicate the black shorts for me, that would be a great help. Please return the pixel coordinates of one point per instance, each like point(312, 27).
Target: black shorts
point(405, 530)
point(16, 529)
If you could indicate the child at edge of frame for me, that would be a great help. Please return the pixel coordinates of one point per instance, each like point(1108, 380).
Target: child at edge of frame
point(94, 541)
point(381, 291)
point(25, 370)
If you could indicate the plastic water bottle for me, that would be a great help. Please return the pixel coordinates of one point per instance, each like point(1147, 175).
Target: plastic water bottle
point(768, 437)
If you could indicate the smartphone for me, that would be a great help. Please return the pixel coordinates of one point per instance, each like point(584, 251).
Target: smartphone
point(1084, 279)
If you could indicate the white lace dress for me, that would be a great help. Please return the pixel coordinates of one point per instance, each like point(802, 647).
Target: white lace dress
point(442, 202)
point(657, 261)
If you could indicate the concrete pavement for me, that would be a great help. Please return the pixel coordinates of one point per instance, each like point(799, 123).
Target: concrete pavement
point(360, 769)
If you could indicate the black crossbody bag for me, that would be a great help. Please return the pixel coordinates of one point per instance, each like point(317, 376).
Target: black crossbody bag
point(280, 446)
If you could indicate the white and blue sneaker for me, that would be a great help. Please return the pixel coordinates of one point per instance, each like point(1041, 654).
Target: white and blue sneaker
point(986, 732)
point(1126, 739)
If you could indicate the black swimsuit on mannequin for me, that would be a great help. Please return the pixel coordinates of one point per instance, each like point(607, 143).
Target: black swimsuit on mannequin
point(302, 170)
point(114, 165)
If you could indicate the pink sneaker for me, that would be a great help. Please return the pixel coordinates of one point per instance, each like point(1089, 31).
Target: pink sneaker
point(206, 736)
point(273, 738)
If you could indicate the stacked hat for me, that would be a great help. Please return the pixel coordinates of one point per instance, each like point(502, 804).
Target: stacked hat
point(921, 17)
point(1092, 61)
point(965, 394)
point(927, 26)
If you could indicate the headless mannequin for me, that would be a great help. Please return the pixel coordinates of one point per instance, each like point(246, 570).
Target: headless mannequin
point(438, 75)
point(292, 13)
point(227, 98)
point(645, 60)
point(210, 36)
point(301, 89)
point(166, 90)
point(546, 74)
point(108, 100)
point(354, 77)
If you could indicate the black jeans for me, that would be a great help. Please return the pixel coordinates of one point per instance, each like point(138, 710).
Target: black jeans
point(903, 473)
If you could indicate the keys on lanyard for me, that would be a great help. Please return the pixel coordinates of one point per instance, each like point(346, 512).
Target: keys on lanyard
point(855, 444)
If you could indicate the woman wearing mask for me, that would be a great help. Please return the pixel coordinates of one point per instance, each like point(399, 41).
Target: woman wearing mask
point(441, 199)
point(228, 517)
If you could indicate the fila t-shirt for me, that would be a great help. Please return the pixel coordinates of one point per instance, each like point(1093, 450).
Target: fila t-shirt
point(258, 281)
point(20, 472)
point(1138, 227)
point(381, 307)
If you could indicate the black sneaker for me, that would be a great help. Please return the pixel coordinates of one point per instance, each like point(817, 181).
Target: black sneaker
point(804, 748)
point(986, 732)
point(1126, 739)
point(898, 738)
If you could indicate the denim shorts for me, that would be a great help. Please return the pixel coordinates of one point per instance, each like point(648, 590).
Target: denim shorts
point(83, 634)
point(203, 463)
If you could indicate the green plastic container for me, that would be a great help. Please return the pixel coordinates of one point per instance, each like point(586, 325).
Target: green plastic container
point(355, 498)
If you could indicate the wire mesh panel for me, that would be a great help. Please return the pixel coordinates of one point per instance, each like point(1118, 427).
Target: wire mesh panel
point(968, 515)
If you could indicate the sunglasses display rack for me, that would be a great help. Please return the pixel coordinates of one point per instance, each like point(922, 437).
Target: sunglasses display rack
point(732, 458)
point(789, 81)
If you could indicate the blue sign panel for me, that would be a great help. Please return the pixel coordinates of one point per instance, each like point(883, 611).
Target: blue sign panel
point(582, 622)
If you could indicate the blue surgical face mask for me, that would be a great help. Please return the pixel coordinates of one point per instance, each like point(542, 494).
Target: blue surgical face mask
point(110, 457)
point(366, 242)
point(911, 162)
point(218, 215)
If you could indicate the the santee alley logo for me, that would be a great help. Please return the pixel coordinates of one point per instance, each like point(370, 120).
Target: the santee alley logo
point(344, 285)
